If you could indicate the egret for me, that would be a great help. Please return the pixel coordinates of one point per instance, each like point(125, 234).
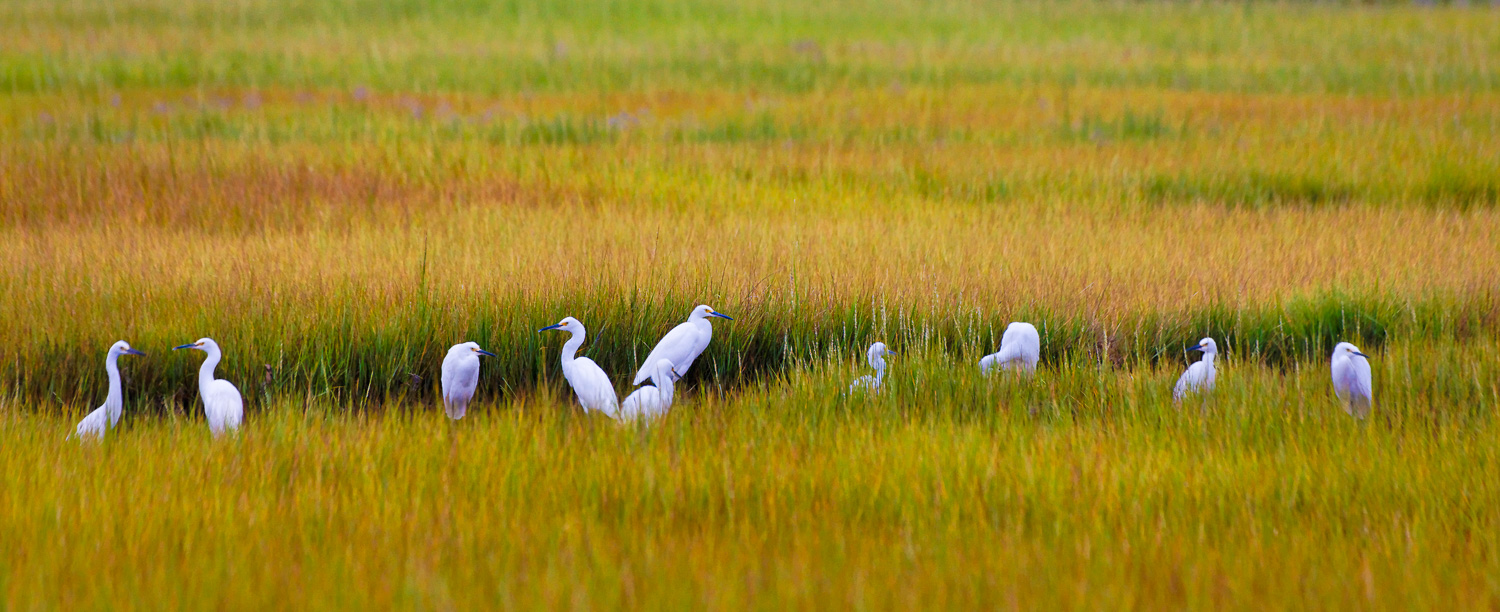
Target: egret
point(877, 355)
point(683, 344)
point(649, 402)
point(221, 401)
point(594, 390)
point(1020, 348)
point(1351, 380)
point(1199, 377)
point(460, 376)
point(107, 416)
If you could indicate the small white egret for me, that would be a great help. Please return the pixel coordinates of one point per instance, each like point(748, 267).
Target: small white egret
point(1020, 348)
point(460, 376)
point(222, 403)
point(1199, 377)
point(877, 355)
point(107, 416)
point(1351, 380)
point(588, 380)
point(648, 403)
point(683, 344)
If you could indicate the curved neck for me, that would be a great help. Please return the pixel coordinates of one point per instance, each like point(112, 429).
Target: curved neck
point(664, 386)
point(570, 348)
point(1208, 358)
point(206, 371)
point(115, 401)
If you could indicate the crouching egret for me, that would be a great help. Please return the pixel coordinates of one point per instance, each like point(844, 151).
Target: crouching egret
point(222, 403)
point(460, 376)
point(588, 380)
point(107, 416)
point(1020, 348)
point(876, 355)
point(648, 403)
point(1199, 377)
point(683, 344)
point(1351, 380)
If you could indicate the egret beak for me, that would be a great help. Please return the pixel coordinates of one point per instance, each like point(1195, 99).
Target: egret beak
point(1361, 354)
point(891, 352)
point(484, 352)
point(720, 315)
point(188, 345)
point(559, 325)
point(131, 351)
point(1196, 348)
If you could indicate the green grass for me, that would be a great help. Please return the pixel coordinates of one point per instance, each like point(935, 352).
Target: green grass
point(339, 190)
point(1084, 488)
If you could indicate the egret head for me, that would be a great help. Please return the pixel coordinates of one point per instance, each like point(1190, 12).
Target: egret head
point(1207, 345)
point(1345, 349)
point(470, 348)
point(206, 345)
point(665, 371)
point(568, 324)
point(123, 348)
point(703, 310)
point(878, 352)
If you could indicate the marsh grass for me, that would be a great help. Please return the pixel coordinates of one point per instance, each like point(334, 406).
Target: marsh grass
point(1084, 486)
point(339, 190)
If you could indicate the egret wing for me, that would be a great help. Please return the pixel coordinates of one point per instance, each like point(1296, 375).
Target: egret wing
point(93, 425)
point(678, 346)
point(223, 406)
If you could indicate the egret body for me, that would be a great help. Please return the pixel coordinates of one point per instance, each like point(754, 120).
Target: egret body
point(1020, 348)
point(460, 376)
point(648, 403)
point(683, 344)
point(1351, 380)
point(595, 392)
point(1199, 377)
point(877, 354)
point(222, 403)
point(107, 416)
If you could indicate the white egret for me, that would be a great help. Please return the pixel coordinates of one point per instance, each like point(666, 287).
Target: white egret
point(588, 380)
point(222, 403)
point(1351, 380)
point(877, 355)
point(107, 416)
point(1020, 348)
point(649, 402)
point(460, 376)
point(1199, 377)
point(683, 344)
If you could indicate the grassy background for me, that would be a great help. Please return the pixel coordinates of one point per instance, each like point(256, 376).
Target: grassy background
point(338, 191)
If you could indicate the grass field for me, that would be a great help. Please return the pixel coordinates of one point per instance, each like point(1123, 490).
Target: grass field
point(337, 191)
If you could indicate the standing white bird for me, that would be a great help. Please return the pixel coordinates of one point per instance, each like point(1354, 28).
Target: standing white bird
point(1020, 348)
point(460, 376)
point(588, 380)
point(648, 403)
point(1351, 380)
point(877, 355)
point(1199, 377)
point(107, 416)
point(222, 403)
point(683, 344)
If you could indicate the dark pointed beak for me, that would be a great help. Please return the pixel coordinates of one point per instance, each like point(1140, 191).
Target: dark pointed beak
point(1196, 348)
point(131, 351)
point(549, 327)
point(188, 345)
point(720, 315)
point(1361, 354)
point(484, 352)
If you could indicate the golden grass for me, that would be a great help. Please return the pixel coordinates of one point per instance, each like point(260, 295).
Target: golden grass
point(338, 191)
